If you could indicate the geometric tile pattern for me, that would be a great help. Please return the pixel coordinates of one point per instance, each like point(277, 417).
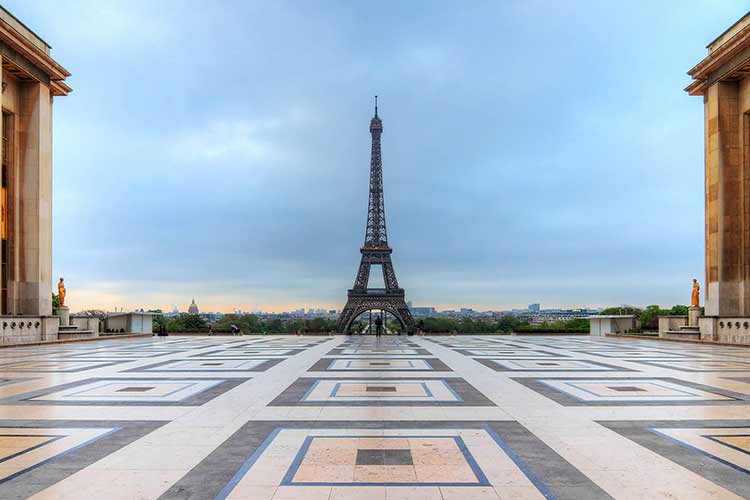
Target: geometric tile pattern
point(54, 366)
point(510, 353)
point(378, 352)
point(381, 391)
point(702, 365)
point(35, 455)
point(730, 445)
point(717, 450)
point(381, 364)
point(629, 391)
point(129, 391)
point(304, 458)
point(211, 365)
point(460, 417)
point(237, 353)
point(543, 365)
point(22, 449)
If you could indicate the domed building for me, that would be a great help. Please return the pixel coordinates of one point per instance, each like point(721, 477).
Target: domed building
point(193, 309)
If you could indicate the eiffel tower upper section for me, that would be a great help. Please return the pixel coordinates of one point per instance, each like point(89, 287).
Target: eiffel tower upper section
point(375, 234)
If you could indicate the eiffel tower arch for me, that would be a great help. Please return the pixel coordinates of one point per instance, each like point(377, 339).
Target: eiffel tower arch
point(375, 252)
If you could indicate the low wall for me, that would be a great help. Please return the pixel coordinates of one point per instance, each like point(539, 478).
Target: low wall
point(601, 326)
point(671, 323)
point(725, 329)
point(28, 329)
point(85, 323)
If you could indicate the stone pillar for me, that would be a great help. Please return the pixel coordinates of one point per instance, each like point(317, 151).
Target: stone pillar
point(34, 202)
point(724, 202)
point(693, 315)
point(4, 309)
point(64, 313)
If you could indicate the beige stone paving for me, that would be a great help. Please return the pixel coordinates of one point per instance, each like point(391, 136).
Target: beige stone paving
point(149, 466)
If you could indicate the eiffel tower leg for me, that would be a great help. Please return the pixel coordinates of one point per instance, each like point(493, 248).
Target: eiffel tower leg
point(407, 318)
point(343, 323)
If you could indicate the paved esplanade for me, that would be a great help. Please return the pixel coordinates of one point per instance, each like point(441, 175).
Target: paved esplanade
point(446, 418)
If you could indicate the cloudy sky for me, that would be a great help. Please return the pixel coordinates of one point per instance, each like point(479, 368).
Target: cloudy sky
point(534, 151)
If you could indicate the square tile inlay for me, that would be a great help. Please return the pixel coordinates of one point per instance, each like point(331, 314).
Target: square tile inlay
point(128, 391)
point(629, 391)
point(309, 391)
point(300, 459)
point(211, 365)
point(547, 365)
point(375, 364)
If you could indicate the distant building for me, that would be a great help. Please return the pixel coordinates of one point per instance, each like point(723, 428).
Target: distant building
point(423, 311)
point(193, 309)
point(534, 308)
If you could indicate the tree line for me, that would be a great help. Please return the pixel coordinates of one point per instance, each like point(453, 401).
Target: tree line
point(250, 323)
point(247, 323)
point(649, 316)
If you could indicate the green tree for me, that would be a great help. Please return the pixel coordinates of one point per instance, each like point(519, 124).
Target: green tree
point(508, 323)
point(649, 317)
point(188, 323)
point(577, 324)
point(158, 321)
point(55, 301)
point(621, 310)
point(679, 310)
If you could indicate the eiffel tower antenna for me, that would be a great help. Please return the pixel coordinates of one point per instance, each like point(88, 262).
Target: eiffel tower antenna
point(375, 252)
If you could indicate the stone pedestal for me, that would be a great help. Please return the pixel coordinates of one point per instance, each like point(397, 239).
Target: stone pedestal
point(693, 315)
point(64, 314)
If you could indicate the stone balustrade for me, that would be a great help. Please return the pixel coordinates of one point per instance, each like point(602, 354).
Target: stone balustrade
point(26, 329)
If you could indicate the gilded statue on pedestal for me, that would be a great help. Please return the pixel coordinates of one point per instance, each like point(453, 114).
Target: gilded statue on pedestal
point(61, 292)
point(695, 301)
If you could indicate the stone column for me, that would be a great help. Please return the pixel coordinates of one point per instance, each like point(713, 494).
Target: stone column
point(34, 202)
point(693, 315)
point(64, 313)
point(724, 224)
point(3, 306)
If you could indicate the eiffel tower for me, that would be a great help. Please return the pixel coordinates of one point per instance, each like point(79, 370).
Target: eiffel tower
point(376, 251)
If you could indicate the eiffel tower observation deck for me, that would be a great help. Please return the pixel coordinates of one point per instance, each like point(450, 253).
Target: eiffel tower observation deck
point(376, 252)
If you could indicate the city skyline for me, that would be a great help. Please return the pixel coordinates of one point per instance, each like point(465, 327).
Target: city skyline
point(279, 217)
point(320, 307)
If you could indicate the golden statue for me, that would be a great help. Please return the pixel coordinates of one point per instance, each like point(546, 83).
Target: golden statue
point(695, 302)
point(61, 292)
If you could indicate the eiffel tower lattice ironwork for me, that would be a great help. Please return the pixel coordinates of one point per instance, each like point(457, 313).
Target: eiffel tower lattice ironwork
point(375, 251)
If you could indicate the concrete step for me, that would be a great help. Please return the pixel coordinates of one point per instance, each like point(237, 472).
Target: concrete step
point(683, 334)
point(686, 328)
point(68, 328)
point(75, 334)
